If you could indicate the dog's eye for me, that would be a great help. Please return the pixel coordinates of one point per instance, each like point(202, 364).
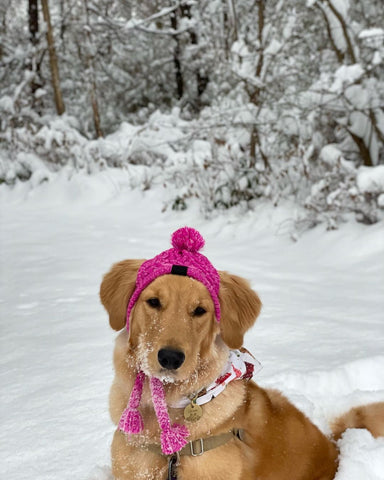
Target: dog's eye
point(154, 302)
point(199, 311)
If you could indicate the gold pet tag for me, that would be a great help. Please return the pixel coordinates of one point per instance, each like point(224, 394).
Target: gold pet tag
point(193, 412)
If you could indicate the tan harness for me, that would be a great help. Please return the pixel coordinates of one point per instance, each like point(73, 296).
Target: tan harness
point(196, 448)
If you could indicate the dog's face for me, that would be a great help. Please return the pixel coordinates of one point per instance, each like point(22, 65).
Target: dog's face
point(173, 330)
point(173, 327)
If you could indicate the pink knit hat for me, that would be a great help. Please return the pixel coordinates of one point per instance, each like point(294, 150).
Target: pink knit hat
point(183, 259)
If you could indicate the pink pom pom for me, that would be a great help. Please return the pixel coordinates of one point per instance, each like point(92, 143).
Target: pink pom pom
point(174, 438)
point(187, 238)
point(131, 421)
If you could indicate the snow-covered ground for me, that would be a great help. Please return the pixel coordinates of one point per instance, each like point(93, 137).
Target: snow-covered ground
point(320, 337)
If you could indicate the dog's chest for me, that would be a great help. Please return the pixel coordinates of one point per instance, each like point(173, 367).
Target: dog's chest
point(214, 415)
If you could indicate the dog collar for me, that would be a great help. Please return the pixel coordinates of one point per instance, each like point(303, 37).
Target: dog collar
point(241, 365)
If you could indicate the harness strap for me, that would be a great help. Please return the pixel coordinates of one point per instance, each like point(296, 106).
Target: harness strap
point(195, 448)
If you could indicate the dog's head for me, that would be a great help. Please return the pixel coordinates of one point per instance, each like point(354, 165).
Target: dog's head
point(179, 309)
point(173, 330)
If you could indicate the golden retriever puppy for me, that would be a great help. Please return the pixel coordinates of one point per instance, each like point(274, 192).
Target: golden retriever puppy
point(182, 399)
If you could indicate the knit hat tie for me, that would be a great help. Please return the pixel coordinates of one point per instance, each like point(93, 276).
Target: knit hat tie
point(173, 437)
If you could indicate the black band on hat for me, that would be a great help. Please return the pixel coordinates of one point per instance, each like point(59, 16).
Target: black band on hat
point(179, 270)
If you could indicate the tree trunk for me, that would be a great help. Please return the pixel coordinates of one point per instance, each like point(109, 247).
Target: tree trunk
point(92, 76)
point(33, 17)
point(260, 35)
point(33, 64)
point(62, 25)
point(233, 17)
point(254, 93)
point(255, 142)
point(176, 58)
point(363, 149)
point(230, 30)
point(60, 108)
point(202, 80)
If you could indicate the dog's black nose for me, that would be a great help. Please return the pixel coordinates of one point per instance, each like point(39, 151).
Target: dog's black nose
point(170, 359)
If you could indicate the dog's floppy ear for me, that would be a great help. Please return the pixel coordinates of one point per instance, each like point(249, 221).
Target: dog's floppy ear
point(116, 289)
point(239, 305)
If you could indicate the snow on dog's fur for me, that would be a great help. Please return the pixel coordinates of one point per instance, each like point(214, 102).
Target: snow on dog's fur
point(279, 441)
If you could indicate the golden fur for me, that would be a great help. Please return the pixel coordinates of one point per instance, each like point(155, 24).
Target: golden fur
point(279, 443)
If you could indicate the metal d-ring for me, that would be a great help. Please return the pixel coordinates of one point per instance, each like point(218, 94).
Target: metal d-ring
point(193, 453)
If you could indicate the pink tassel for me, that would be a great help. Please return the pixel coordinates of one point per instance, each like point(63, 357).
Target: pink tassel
point(173, 437)
point(131, 420)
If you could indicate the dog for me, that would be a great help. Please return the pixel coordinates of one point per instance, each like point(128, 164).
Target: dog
point(179, 413)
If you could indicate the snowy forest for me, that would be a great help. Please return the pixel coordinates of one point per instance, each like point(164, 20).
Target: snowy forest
point(227, 101)
point(258, 122)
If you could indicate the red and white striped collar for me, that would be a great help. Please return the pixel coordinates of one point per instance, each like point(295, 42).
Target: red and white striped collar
point(241, 365)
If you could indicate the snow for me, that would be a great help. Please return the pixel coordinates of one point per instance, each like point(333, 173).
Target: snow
point(6, 104)
point(345, 75)
point(371, 180)
point(342, 6)
point(377, 58)
point(374, 37)
point(330, 154)
point(359, 449)
point(319, 337)
point(371, 32)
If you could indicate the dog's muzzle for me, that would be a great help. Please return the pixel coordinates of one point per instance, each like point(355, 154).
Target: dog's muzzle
point(170, 359)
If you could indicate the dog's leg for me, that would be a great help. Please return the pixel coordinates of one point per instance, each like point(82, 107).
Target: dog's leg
point(130, 463)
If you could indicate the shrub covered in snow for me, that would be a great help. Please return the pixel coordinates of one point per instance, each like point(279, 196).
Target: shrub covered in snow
point(338, 189)
point(208, 164)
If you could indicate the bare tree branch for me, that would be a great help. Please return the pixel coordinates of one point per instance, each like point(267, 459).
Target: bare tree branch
point(344, 28)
